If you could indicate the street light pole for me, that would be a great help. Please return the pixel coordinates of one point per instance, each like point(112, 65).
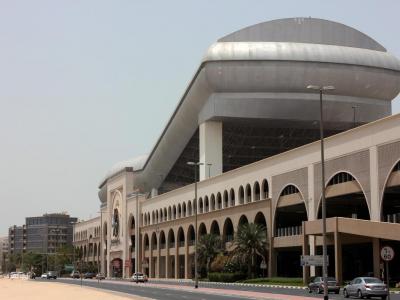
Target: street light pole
point(196, 165)
point(321, 89)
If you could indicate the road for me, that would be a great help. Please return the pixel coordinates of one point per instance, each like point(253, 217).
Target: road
point(165, 290)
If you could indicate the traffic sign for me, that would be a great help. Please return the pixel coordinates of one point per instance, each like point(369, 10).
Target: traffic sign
point(387, 253)
point(313, 260)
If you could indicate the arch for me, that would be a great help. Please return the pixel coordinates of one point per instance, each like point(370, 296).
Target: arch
point(290, 211)
point(206, 204)
point(179, 210)
point(227, 231)
point(191, 236)
point(146, 242)
point(161, 214)
point(356, 206)
point(212, 202)
point(219, 201)
point(201, 206)
point(171, 239)
point(174, 212)
point(232, 197)
point(153, 217)
point(189, 208)
point(162, 239)
point(95, 250)
point(202, 229)
point(241, 195)
point(390, 196)
point(153, 241)
point(165, 214)
point(256, 191)
point(243, 220)
point(226, 199)
point(157, 216)
point(214, 229)
point(169, 213)
point(105, 229)
point(180, 237)
point(260, 219)
point(264, 189)
point(183, 209)
point(248, 193)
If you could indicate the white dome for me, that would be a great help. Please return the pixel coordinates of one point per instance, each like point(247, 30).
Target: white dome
point(136, 163)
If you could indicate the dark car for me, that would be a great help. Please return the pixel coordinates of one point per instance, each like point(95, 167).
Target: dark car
point(317, 285)
point(51, 275)
point(89, 275)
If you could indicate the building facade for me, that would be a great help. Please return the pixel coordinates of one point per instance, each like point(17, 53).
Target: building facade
point(3, 253)
point(86, 235)
point(43, 234)
point(249, 119)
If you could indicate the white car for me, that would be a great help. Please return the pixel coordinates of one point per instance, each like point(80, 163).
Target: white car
point(139, 277)
point(44, 275)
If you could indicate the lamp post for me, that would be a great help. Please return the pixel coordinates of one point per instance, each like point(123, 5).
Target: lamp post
point(195, 164)
point(322, 89)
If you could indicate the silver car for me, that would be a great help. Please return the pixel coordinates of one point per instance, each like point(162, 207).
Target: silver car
point(366, 287)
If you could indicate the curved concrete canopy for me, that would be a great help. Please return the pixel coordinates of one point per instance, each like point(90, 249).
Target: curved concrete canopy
point(279, 58)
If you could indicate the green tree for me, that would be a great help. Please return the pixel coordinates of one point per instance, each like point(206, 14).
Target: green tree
point(250, 241)
point(32, 261)
point(208, 247)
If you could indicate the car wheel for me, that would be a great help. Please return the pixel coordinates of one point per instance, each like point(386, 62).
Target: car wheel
point(345, 293)
point(309, 290)
point(383, 297)
point(359, 294)
point(318, 290)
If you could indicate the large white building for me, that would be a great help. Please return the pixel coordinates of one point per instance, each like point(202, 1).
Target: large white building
point(248, 117)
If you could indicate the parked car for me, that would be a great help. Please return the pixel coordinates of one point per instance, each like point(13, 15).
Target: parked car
point(317, 285)
point(100, 276)
point(75, 275)
point(139, 277)
point(51, 275)
point(89, 275)
point(44, 275)
point(366, 287)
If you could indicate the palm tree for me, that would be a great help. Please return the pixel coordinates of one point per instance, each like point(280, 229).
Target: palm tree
point(208, 247)
point(250, 241)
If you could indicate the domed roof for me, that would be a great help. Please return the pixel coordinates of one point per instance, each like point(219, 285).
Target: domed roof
point(304, 30)
point(135, 164)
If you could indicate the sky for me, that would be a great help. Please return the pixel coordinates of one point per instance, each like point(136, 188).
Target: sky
point(85, 84)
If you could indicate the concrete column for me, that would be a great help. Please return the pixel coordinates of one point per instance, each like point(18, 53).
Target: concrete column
point(167, 264)
point(272, 270)
point(151, 259)
point(305, 251)
point(311, 189)
point(311, 242)
point(176, 258)
point(338, 257)
point(376, 257)
point(187, 265)
point(158, 259)
point(374, 188)
point(210, 140)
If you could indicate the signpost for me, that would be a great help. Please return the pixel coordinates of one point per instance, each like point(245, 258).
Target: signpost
point(387, 254)
point(313, 260)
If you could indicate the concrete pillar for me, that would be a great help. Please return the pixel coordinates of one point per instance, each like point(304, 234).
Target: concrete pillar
point(305, 251)
point(210, 140)
point(272, 270)
point(338, 257)
point(176, 259)
point(187, 262)
point(167, 264)
point(311, 242)
point(374, 184)
point(376, 257)
point(151, 259)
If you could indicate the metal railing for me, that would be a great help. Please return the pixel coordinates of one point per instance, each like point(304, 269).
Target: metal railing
point(289, 231)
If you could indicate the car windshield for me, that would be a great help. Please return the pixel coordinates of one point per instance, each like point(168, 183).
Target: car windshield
point(331, 279)
point(372, 280)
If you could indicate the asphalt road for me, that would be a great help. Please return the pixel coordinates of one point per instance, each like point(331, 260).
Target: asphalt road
point(173, 294)
point(148, 291)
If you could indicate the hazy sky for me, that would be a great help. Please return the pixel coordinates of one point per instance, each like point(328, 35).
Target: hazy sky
point(85, 84)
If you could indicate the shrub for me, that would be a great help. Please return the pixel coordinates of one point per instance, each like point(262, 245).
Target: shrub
point(219, 263)
point(225, 277)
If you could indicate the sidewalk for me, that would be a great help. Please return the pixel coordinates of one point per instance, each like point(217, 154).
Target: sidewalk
point(22, 289)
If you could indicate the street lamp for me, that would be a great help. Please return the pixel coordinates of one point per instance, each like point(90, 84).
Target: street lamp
point(321, 90)
point(195, 164)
